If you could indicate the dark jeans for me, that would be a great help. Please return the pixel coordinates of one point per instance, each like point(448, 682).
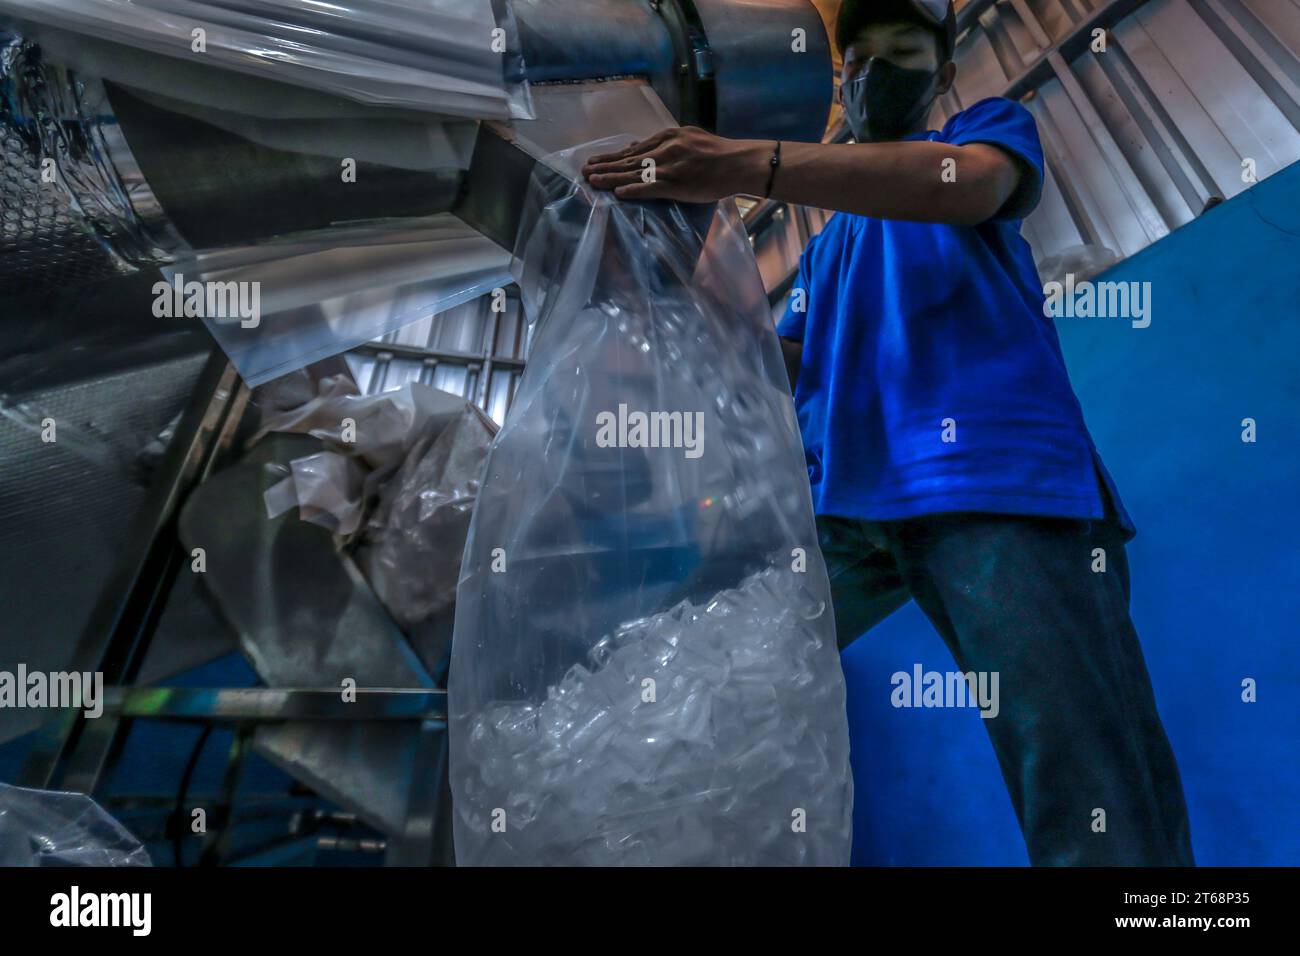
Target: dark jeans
point(1077, 729)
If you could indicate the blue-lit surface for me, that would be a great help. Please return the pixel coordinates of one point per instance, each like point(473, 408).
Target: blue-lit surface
point(1216, 588)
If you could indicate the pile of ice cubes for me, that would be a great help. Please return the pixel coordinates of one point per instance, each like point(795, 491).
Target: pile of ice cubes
point(709, 734)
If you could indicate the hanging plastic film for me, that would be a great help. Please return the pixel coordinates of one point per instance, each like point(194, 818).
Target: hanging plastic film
point(276, 307)
point(644, 666)
point(450, 57)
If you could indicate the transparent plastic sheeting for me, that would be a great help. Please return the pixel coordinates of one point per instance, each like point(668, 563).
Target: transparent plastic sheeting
point(322, 293)
point(644, 668)
point(450, 57)
point(44, 113)
point(415, 537)
point(52, 828)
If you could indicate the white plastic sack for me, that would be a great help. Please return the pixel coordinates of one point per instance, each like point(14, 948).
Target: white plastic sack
point(644, 668)
point(334, 487)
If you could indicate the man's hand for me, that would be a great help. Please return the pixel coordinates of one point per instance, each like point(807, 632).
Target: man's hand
point(686, 164)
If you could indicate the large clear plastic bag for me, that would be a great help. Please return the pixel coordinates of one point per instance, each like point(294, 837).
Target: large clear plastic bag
point(53, 828)
point(644, 668)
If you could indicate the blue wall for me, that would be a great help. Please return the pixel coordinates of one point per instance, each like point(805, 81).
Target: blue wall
point(1216, 588)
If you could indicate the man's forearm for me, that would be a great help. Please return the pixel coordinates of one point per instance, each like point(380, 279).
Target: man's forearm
point(916, 181)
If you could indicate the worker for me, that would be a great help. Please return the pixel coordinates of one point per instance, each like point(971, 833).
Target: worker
point(947, 452)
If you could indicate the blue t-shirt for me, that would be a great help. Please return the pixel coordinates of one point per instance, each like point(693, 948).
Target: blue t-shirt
point(931, 379)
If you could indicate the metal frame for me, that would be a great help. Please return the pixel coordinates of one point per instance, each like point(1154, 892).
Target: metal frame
point(1055, 56)
point(76, 753)
point(428, 836)
point(253, 706)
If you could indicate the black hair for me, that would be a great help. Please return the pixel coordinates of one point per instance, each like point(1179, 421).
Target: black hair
point(857, 15)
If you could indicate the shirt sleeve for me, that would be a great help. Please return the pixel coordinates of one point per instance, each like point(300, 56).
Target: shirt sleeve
point(1009, 126)
point(791, 325)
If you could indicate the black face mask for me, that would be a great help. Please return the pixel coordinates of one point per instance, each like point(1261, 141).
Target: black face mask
point(885, 100)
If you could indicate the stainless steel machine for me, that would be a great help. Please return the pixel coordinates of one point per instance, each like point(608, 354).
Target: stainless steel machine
point(148, 173)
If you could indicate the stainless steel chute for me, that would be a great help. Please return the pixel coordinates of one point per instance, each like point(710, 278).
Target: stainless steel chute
point(161, 153)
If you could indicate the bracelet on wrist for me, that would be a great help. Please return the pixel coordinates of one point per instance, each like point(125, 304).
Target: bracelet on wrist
point(774, 163)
